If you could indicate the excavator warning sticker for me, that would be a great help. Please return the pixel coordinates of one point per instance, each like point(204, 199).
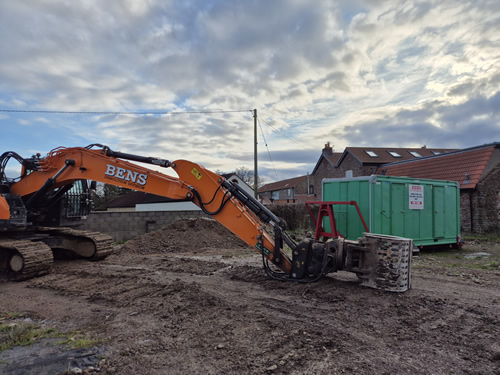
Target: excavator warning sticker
point(196, 173)
point(262, 249)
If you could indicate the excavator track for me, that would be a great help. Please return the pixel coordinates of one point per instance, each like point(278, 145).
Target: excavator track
point(89, 245)
point(23, 259)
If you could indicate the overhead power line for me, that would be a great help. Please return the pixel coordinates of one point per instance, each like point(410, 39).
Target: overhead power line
point(119, 112)
point(279, 131)
point(268, 151)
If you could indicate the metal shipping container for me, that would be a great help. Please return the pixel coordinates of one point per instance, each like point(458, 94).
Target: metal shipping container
point(428, 211)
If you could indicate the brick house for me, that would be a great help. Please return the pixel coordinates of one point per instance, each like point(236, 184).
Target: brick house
point(361, 161)
point(476, 169)
point(292, 190)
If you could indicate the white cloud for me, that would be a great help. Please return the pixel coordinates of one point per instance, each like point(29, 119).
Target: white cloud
point(335, 71)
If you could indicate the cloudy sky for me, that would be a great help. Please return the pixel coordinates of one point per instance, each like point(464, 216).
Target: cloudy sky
point(353, 72)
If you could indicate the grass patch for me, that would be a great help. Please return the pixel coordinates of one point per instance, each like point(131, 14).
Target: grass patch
point(19, 333)
point(23, 334)
point(487, 258)
point(80, 341)
point(493, 237)
point(9, 315)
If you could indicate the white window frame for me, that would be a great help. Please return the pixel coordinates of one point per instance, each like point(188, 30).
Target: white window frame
point(371, 153)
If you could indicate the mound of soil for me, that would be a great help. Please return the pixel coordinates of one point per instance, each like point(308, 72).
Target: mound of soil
point(185, 236)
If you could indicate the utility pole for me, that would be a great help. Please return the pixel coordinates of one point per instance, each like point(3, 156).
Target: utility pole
point(256, 177)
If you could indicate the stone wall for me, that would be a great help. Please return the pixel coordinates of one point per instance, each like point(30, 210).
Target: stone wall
point(124, 226)
point(483, 215)
point(486, 203)
point(465, 210)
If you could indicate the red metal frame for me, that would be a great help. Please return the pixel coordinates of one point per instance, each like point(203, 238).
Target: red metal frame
point(326, 209)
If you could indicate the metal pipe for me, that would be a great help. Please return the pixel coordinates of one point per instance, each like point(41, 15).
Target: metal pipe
point(51, 181)
point(141, 159)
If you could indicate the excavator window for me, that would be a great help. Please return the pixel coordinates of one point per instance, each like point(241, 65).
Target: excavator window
point(75, 200)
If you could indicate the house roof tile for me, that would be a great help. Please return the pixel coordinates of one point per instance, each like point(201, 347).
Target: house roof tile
point(392, 154)
point(332, 158)
point(284, 184)
point(464, 166)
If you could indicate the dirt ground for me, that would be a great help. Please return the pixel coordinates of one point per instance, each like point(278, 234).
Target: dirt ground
point(192, 299)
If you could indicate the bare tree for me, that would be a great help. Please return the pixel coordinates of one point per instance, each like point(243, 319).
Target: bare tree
point(105, 193)
point(248, 176)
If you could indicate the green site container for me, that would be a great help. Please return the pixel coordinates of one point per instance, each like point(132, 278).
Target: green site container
point(427, 211)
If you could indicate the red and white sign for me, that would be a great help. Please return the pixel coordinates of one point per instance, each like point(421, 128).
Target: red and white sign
point(416, 195)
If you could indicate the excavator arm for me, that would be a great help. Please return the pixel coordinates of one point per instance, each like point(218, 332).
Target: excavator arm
point(223, 200)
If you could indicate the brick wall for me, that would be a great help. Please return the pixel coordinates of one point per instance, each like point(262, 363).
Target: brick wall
point(325, 170)
point(124, 226)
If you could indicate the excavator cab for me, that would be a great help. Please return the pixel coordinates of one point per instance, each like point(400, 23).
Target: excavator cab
point(36, 227)
point(67, 206)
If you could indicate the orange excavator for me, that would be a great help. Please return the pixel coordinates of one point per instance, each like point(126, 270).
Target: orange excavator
point(38, 209)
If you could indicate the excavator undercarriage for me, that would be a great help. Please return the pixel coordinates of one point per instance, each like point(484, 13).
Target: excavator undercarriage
point(31, 253)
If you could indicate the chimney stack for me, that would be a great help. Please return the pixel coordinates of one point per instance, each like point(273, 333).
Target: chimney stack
point(328, 149)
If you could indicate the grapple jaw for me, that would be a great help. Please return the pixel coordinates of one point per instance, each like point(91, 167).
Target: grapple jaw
point(380, 261)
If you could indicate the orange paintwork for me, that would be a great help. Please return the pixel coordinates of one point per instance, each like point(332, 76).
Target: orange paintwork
point(4, 209)
point(96, 166)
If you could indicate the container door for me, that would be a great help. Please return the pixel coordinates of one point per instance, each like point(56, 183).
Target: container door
point(452, 211)
point(398, 209)
point(438, 205)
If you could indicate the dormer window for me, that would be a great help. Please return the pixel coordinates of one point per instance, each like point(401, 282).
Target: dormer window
point(415, 154)
point(467, 179)
point(394, 154)
point(372, 154)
